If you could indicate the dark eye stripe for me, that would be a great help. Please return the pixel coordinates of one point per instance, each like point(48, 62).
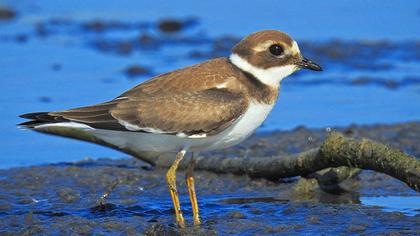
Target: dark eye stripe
point(276, 50)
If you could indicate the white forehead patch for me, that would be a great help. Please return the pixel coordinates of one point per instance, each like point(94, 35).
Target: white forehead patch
point(270, 76)
point(295, 48)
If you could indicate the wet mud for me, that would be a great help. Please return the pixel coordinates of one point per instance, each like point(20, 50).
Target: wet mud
point(63, 198)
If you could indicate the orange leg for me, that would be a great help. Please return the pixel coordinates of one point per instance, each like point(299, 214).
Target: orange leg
point(171, 179)
point(189, 178)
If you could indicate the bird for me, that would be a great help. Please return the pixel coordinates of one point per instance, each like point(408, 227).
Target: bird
point(207, 106)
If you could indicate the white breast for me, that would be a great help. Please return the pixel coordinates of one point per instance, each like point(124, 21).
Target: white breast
point(243, 127)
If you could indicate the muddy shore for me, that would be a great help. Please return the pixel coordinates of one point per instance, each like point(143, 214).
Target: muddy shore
point(62, 198)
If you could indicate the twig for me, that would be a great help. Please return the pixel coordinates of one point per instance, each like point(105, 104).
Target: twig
point(101, 200)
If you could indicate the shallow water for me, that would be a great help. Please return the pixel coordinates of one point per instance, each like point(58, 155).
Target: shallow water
point(409, 205)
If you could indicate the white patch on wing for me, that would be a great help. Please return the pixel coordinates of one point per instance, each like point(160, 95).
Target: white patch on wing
point(270, 76)
point(222, 85)
point(153, 130)
point(183, 135)
point(198, 136)
point(65, 124)
point(129, 126)
point(133, 127)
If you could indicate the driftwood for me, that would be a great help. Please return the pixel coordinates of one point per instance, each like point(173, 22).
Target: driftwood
point(336, 151)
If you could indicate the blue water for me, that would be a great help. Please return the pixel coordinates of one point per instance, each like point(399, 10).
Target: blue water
point(409, 205)
point(28, 82)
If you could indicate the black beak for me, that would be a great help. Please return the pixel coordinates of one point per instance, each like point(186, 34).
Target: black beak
point(307, 64)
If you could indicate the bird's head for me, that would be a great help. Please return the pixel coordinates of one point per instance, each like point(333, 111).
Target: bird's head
point(270, 56)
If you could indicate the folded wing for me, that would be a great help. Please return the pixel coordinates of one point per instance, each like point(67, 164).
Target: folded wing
point(206, 112)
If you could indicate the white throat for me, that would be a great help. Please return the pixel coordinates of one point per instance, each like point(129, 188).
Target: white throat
point(271, 76)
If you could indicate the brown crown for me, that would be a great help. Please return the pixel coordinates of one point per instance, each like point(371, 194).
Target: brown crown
point(255, 49)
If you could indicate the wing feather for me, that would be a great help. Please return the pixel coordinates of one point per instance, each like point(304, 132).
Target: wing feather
point(182, 101)
point(209, 111)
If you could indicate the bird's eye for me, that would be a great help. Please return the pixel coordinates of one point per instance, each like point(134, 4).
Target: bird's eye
point(276, 50)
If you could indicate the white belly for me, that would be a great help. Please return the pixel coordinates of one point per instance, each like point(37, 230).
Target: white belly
point(236, 133)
